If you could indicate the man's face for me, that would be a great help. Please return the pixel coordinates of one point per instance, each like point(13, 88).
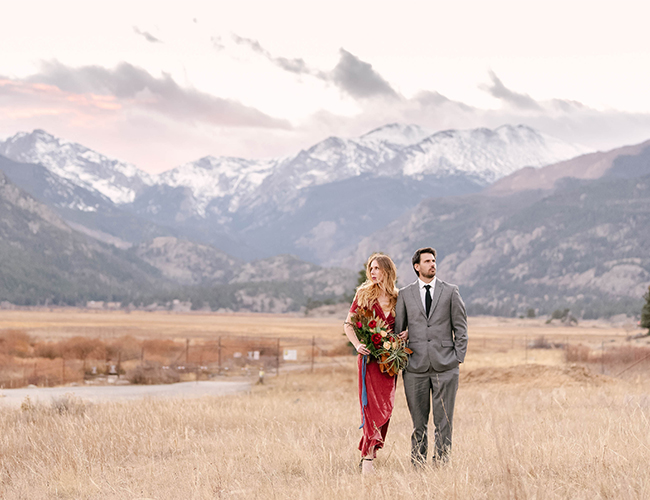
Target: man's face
point(427, 266)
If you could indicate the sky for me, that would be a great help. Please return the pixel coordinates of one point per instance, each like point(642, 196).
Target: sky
point(160, 84)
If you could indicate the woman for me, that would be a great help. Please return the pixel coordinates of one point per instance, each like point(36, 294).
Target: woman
point(378, 294)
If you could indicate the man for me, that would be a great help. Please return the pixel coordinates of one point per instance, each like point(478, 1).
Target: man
point(431, 314)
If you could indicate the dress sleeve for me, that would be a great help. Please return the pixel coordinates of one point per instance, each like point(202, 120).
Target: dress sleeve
point(354, 306)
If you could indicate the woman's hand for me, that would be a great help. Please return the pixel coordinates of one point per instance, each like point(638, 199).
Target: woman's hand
point(362, 349)
point(404, 335)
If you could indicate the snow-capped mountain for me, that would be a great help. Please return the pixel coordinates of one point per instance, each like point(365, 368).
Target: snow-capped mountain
point(392, 151)
point(226, 178)
point(313, 203)
point(484, 154)
point(117, 180)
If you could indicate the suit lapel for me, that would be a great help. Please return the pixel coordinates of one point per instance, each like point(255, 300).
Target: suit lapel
point(436, 297)
point(415, 290)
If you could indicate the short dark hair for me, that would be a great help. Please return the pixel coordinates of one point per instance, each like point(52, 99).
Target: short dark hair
point(418, 253)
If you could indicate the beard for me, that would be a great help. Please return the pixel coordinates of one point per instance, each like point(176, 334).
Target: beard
point(429, 275)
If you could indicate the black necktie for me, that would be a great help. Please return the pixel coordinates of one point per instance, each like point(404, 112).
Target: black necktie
point(427, 298)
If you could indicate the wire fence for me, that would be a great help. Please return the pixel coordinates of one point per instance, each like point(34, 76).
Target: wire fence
point(160, 361)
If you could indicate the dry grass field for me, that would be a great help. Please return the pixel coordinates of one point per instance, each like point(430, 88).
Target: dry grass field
point(528, 424)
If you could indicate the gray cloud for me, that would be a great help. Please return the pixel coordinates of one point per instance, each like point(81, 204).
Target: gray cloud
point(147, 36)
point(500, 91)
point(297, 66)
point(353, 76)
point(359, 79)
point(162, 94)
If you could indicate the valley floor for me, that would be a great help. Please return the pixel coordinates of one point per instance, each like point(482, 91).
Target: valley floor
point(529, 424)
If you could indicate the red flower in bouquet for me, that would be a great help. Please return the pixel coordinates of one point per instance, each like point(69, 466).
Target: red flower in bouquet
point(359, 324)
point(376, 339)
point(372, 324)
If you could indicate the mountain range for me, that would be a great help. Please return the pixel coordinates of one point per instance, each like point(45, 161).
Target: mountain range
point(315, 204)
point(521, 220)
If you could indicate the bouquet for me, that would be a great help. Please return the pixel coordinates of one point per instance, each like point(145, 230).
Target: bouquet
point(387, 348)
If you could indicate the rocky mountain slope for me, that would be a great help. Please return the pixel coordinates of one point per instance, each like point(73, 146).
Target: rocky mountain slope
point(276, 284)
point(588, 166)
point(43, 260)
point(583, 244)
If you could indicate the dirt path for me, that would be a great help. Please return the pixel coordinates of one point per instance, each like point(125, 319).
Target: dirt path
point(14, 397)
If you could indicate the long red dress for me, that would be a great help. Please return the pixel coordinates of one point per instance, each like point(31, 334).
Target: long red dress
point(380, 388)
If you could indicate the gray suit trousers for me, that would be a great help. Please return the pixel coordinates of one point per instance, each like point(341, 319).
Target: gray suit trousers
point(418, 388)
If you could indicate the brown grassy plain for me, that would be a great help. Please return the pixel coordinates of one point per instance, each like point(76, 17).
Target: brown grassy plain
point(528, 425)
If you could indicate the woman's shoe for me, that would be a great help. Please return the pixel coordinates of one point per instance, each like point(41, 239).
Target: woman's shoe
point(367, 466)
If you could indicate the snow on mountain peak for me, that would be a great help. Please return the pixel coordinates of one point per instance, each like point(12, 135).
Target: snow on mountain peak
point(119, 181)
point(394, 150)
point(217, 177)
point(484, 153)
point(398, 134)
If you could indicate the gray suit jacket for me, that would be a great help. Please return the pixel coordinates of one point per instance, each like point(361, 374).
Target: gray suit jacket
point(439, 341)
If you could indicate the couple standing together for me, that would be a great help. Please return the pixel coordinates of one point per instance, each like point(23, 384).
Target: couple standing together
point(430, 314)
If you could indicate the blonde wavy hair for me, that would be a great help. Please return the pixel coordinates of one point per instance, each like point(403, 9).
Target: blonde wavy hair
point(368, 292)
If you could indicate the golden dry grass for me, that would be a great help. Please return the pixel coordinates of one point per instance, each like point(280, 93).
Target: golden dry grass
point(57, 323)
point(545, 429)
point(537, 434)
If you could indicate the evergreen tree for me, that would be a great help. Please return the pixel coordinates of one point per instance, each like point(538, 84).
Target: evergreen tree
point(361, 278)
point(645, 312)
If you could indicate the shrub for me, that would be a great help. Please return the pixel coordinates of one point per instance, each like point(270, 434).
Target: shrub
point(16, 343)
point(150, 374)
point(69, 404)
point(541, 343)
point(645, 312)
point(124, 348)
point(577, 353)
point(162, 348)
point(83, 348)
point(50, 350)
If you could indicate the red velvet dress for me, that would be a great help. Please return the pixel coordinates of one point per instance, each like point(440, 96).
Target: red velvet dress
point(380, 389)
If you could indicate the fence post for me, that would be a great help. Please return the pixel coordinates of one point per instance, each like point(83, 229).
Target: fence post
point(219, 355)
point(526, 347)
point(313, 350)
point(187, 350)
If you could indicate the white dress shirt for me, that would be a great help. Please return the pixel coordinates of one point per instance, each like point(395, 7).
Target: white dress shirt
point(424, 290)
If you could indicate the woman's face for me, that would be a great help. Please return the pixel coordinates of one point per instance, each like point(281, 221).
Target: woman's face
point(376, 273)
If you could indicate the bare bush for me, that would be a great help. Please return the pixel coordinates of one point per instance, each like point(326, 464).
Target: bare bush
point(50, 350)
point(624, 355)
point(83, 348)
point(541, 342)
point(152, 373)
point(16, 343)
point(124, 348)
point(577, 354)
point(162, 350)
point(69, 404)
